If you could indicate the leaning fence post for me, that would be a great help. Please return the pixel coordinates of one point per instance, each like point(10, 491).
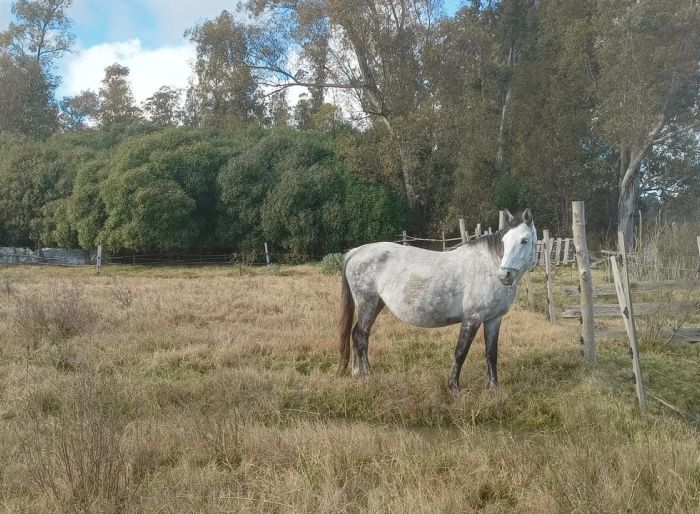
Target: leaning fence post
point(628, 311)
point(501, 219)
point(463, 230)
point(557, 252)
point(98, 259)
point(267, 254)
point(567, 242)
point(546, 245)
point(585, 280)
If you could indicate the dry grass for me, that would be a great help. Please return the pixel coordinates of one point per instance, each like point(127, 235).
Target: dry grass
point(214, 390)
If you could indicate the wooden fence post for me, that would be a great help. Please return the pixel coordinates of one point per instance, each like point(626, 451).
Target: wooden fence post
point(627, 308)
point(501, 220)
point(698, 246)
point(478, 230)
point(546, 245)
point(267, 253)
point(444, 244)
point(639, 236)
point(403, 238)
point(557, 257)
point(567, 242)
point(585, 280)
point(463, 231)
point(98, 260)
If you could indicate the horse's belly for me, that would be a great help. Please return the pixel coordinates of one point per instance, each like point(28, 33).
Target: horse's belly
point(427, 309)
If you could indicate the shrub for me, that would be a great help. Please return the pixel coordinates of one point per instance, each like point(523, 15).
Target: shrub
point(61, 313)
point(76, 456)
point(331, 264)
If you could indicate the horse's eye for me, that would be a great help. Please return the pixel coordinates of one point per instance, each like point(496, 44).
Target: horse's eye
point(523, 242)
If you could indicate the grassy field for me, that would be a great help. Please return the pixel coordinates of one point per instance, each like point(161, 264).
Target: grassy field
point(213, 389)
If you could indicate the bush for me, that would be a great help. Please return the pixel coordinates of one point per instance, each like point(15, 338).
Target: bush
point(54, 316)
point(331, 264)
point(76, 456)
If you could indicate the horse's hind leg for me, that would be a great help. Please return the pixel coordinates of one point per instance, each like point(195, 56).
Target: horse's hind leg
point(367, 312)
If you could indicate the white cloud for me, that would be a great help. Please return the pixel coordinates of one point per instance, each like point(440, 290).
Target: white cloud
point(150, 69)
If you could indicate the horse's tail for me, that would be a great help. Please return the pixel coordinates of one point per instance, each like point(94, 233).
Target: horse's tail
point(347, 314)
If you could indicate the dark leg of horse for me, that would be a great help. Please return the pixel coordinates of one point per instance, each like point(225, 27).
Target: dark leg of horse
point(367, 313)
point(491, 329)
point(466, 335)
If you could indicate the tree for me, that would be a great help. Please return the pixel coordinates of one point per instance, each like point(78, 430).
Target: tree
point(34, 175)
point(79, 112)
point(27, 97)
point(41, 30)
point(164, 107)
point(39, 34)
point(226, 90)
point(278, 109)
point(385, 39)
point(303, 112)
point(648, 86)
point(190, 109)
point(116, 100)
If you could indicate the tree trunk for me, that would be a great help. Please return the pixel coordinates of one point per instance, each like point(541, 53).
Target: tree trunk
point(504, 109)
point(630, 163)
point(410, 164)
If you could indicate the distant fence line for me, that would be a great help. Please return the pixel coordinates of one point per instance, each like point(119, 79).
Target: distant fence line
point(561, 250)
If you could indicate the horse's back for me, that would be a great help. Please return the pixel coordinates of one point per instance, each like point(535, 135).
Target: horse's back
point(419, 286)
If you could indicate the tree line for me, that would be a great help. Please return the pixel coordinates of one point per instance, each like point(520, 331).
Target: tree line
point(504, 104)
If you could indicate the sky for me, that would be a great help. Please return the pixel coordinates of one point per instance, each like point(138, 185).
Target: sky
point(144, 35)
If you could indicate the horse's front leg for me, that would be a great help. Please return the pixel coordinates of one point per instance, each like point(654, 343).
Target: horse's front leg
point(470, 325)
point(491, 329)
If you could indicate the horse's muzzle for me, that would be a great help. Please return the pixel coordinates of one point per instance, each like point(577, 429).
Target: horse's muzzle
point(507, 276)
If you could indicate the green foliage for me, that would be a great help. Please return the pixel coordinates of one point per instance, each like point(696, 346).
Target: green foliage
point(143, 189)
point(161, 191)
point(511, 193)
point(331, 263)
point(290, 188)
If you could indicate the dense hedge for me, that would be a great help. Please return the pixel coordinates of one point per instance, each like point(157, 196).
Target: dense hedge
point(177, 189)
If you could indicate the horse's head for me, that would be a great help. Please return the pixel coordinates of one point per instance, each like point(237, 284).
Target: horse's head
point(519, 249)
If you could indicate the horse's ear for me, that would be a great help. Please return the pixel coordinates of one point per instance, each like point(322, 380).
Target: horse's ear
point(527, 216)
point(509, 216)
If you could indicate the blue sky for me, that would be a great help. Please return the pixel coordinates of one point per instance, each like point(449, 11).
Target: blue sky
point(145, 35)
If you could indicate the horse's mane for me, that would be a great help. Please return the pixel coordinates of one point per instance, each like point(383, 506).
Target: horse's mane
point(494, 242)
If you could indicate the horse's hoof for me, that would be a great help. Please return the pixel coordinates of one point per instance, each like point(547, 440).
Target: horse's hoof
point(492, 385)
point(454, 387)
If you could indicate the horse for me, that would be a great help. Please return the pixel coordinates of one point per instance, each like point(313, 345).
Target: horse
point(472, 284)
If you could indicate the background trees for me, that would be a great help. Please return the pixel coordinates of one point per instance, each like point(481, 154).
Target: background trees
point(409, 118)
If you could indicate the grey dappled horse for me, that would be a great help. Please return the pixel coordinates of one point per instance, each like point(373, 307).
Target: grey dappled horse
point(472, 284)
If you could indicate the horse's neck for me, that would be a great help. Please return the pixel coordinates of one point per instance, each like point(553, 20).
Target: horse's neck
point(478, 256)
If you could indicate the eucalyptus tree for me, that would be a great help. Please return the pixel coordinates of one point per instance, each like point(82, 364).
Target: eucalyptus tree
point(648, 84)
point(226, 90)
point(372, 49)
point(164, 107)
point(80, 111)
point(39, 34)
point(117, 103)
